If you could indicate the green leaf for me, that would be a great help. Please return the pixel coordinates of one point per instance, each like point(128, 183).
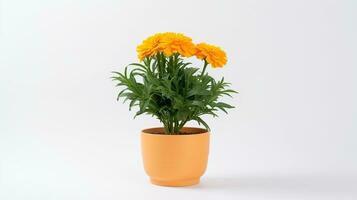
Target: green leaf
point(200, 121)
point(172, 90)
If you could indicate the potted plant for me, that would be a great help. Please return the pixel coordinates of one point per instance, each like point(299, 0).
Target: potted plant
point(168, 87)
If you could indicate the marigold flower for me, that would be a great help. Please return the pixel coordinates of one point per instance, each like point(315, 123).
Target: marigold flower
point(149, 46)
point(212, 54)
point(177, 43)
point(168, 43)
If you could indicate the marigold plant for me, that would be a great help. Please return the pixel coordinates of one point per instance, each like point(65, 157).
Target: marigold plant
point(166, 86)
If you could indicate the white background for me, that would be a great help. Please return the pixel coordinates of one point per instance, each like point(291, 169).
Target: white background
point(292, 136)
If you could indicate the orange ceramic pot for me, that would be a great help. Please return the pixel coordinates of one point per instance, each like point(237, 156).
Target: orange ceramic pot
point(175, 160)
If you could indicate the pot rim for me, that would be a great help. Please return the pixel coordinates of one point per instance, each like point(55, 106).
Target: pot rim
point(200, 131)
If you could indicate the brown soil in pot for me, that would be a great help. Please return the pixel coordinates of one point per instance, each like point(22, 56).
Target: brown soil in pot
point(184, 131)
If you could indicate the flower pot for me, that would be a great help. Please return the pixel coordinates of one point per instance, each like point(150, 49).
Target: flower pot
point(175, 160)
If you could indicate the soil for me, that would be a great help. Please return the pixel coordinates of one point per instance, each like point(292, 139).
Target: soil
point(180, 133)
point(184, 131)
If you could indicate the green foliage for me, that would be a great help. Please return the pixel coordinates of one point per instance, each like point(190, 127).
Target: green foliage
point(171, 90)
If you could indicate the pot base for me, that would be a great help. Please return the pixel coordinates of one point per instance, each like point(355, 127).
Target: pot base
point(176, 183)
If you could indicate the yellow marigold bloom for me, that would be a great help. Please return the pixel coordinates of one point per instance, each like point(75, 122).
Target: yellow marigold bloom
point(212, 54)
point(177, 43)
point(149, 46)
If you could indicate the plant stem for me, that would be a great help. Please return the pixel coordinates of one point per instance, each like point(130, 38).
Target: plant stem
point(182, 124)
point(204, 68)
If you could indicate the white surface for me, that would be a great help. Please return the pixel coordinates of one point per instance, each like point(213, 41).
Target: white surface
point(293, 136)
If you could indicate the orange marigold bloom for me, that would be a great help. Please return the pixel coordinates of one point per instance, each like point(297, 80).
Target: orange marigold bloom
point(149, 46)
point(168, 43)
point(212, 54)
point(177, 43)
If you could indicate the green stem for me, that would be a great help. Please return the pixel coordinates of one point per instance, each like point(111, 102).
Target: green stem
point(177, 126)
point(204, 68)
point(171, 125)
point(182, 124)
point(158, 63)
point(165, 126)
